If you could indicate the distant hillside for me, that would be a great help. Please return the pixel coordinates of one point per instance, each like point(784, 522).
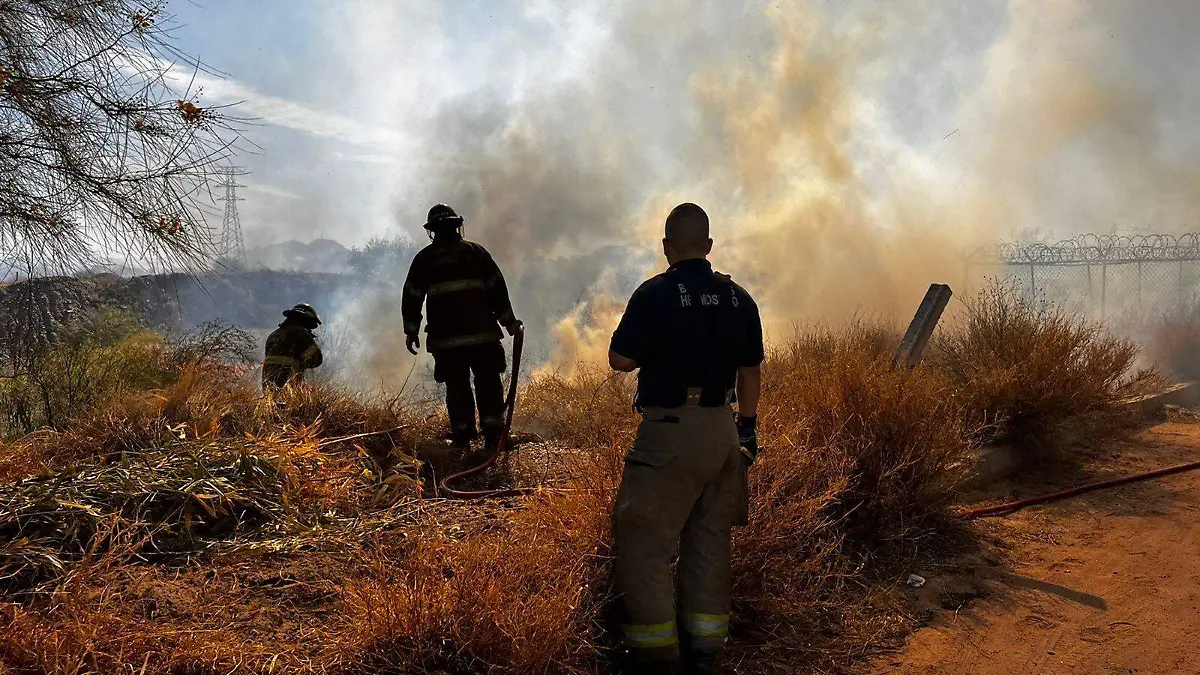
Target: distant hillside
point(324, 255)
point(39, 308)
point(543, 291)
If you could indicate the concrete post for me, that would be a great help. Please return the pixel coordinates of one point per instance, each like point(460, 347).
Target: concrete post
point(913, 345)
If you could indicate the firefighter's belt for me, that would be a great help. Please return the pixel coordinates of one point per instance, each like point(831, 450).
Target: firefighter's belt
point(455, 286)
point(281, 361)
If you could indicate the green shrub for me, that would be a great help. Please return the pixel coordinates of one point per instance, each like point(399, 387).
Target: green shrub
point(51, 384)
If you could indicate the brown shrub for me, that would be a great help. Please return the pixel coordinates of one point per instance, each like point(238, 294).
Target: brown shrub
point(894, 440)
point(1023, 367)
point(857, 460)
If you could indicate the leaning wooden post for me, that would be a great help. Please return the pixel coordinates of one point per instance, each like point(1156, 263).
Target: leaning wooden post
point(913, 345)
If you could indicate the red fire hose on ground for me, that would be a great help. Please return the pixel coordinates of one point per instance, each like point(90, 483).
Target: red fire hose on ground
point(505, 445)
point(1012, 507)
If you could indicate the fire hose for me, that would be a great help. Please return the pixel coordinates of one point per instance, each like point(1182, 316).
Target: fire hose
point(1012, 507)
point(505, 444)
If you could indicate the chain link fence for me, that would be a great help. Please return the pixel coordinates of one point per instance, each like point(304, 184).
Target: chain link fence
point(1114, 279)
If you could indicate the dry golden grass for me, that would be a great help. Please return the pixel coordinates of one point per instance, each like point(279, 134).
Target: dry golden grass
point(523, 597)
point(858, 465)
point(208, 404)
point(592, 408)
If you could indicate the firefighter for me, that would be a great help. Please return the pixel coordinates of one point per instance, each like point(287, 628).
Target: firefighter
point(467, 304)
point(696, 339)
point(292, 348)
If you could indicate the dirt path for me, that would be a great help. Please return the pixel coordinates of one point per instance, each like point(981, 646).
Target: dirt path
point(1105, 583)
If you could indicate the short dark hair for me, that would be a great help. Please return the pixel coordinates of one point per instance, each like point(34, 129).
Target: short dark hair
point(687, 226)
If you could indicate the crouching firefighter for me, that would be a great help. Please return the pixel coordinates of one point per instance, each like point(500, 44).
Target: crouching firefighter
point(292, 348)
point(696, 339)
point(467, 302)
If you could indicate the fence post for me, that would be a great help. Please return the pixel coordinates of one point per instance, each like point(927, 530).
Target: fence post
point(1139, 271)
point(1179, 287)
point(1032, 283)
point(926, 319)
point(1103, 291)
point(1090, 295)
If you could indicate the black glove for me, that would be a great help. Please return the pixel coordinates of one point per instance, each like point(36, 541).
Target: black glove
point(748, 437)
point(512, 327)
point(412, 342)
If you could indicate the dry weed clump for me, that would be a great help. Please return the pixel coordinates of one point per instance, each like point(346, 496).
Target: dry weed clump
point(1023, 367)
point(204, 460)
point(168, 503)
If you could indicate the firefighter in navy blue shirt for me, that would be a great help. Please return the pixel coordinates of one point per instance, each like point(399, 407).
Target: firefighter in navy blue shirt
point(696, 339)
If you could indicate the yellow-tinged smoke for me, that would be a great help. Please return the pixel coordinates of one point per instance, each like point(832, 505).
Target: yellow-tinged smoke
point(792, 217)
point(1055, 135)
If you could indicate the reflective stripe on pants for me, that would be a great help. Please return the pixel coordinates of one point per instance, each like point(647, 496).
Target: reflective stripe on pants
point(649, 636)
point(707, 625)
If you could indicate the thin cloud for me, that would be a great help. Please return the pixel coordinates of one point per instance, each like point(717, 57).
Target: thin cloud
point(286, 113)
point(365, 158)
point(273, 191)
point(390, 160)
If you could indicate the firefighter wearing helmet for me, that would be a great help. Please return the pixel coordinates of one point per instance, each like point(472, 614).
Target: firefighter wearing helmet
point(466, 301)
point(292, 348)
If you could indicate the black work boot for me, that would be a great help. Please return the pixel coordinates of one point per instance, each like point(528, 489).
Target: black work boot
point(700, 663)
point(461, 438)
point(652, 668)
point(492, 437)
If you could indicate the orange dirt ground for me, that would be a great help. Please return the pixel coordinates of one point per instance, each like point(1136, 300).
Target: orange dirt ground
point(1108, 582)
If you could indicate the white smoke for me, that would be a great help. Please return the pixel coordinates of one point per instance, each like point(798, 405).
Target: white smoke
point(848, 153)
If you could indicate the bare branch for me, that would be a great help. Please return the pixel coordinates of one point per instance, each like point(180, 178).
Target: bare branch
point(100, 155)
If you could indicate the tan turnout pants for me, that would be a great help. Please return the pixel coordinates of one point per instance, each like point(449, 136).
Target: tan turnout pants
point(679, 489)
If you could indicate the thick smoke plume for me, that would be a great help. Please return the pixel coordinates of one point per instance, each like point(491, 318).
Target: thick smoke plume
point(848, 154)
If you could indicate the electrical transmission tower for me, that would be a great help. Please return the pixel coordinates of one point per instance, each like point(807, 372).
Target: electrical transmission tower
point(231, 246)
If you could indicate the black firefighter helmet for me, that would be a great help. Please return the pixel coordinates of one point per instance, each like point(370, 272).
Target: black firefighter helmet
point(304, 314)
point(442, 217)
